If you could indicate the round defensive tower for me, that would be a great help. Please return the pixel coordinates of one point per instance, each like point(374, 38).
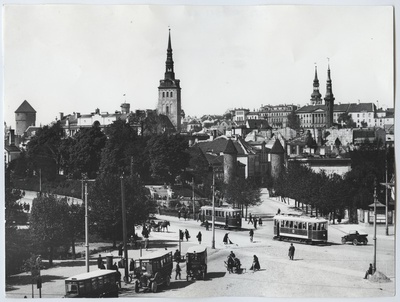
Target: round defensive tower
point(277, 159)
point(230, 162)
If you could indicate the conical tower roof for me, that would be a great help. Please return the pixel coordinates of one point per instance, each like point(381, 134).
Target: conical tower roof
point(277, 148)
point(25, 107)
point(230, 148)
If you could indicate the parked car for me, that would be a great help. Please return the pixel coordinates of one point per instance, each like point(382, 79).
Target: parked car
point(153, 270)
point(355, 237)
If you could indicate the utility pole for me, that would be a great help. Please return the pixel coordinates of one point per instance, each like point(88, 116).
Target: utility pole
point(213, 212)
point(86, 229)
point(386, 193)
point(40, 181)
point(124, 230)
point(194, 215)
point(375, 199)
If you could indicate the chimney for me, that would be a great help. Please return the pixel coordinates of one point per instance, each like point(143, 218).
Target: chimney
point(61, 115)
point(12, 137)
point(97, 111)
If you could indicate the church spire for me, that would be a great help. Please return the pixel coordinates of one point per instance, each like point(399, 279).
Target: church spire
point(316, 95)
point(329, 99)
point(169, 64)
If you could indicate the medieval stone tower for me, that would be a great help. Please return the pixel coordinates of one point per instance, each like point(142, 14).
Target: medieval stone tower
point(230, 162)
point(169, 92)
point(277, 159)
point(25, 116)
point(329, 100)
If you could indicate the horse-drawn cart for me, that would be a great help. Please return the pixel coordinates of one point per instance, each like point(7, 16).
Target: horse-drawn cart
point(196, 262)
point(159, 225)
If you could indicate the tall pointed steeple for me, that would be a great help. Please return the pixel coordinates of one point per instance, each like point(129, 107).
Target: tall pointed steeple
point(169, 64)
point(316, 95)
point(329, 99)
point(169, 91)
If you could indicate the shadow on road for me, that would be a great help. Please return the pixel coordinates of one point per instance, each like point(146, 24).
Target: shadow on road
point(13, 281)
point(215, 275)
point(177, 284)
point(159, 243)
point(72, 263)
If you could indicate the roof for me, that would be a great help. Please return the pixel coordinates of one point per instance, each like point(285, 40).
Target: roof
point(361, 107)
point(299, 218)
point(153, 255)
point(277, 148)
point(197, 249)
point(12, 148)
point(310, 108)
point(230, 148)
point(93, 274)
point(257, 123)
point(25, 107)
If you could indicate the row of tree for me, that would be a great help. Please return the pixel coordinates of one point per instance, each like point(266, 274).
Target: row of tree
point(332, 193)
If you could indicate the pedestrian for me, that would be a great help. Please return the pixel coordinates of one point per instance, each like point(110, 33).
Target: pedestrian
point(118, 277)
point(207, 225)
point(251, 233)
point(279, 211)
point(291, 251)
point(185, 215)
point(260, 221)
point(146, 243)
point(255, 222)
point(199, 235)
point(199, 217)
point(370, 271)
point(187, 235)
point(132, 265)
point(120, 248)
point(102, 266)
point(177, 256)
point(177, 271)
point(99, 261)
point(250, 219)
point(226, 238)
point(179, 214)
point(256, 264)
point(181, 234)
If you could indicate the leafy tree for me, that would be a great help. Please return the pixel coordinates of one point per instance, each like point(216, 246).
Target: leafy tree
point(85, 152)
point(106, 205)
point(48, 223)
point(116, 155)
point(242, 192)
point(44, 149)
point(75, 224)
point(168, 156)
point(293, 121)
point(346, 119)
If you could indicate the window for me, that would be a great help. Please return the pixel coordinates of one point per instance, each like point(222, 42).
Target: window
point(163, 94)
point(170, 94)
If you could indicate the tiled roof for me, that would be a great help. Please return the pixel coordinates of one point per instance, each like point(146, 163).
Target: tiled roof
point(25, 107)
point(218, 146)
point(361, 107)
point(277, 148)
point(310, 108)
point(12, 148)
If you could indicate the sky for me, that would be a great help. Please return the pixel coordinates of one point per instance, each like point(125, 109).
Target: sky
point(76, 58)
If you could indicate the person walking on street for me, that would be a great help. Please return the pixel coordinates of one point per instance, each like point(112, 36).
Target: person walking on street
point(250, 219)
point(199, 235)
point(291, 251)
point(370, 271)
point(179, 214)
point(120, 248)
point(187, 235)
point(207, 225)
point(132, 265)
point(251, 233)
point(226, 239)
point(118, 277)
point(177, 271)
point(199, 217)
point(99, 261)
point(256, 264)
point(185, 215)
point(255, 222)
point(260, 221)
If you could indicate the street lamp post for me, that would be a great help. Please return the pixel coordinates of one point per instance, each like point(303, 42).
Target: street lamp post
point(194, 215)
point(213, 212)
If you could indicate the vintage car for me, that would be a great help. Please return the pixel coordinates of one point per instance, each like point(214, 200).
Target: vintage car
point(355, 238)
point(153, 270)
point(196, 262)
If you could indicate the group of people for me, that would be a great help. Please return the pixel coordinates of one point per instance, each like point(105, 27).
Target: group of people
point(233, 263)
point(254, 220)
point(185, 213)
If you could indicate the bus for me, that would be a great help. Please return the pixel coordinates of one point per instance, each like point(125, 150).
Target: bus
point(97, 284)
point(225, 217)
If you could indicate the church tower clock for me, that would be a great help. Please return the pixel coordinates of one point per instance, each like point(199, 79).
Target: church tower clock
point(169, 91)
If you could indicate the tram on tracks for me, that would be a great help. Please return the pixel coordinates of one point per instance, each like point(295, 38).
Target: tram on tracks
point(225, 217)
point(300, 228)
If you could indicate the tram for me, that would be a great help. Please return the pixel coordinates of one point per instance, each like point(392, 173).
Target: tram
point(300, 228)
point(225, 217)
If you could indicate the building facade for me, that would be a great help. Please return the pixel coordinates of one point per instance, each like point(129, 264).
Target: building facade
point(25, 116)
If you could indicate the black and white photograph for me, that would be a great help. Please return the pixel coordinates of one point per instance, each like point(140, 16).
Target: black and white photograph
point(199, 149)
